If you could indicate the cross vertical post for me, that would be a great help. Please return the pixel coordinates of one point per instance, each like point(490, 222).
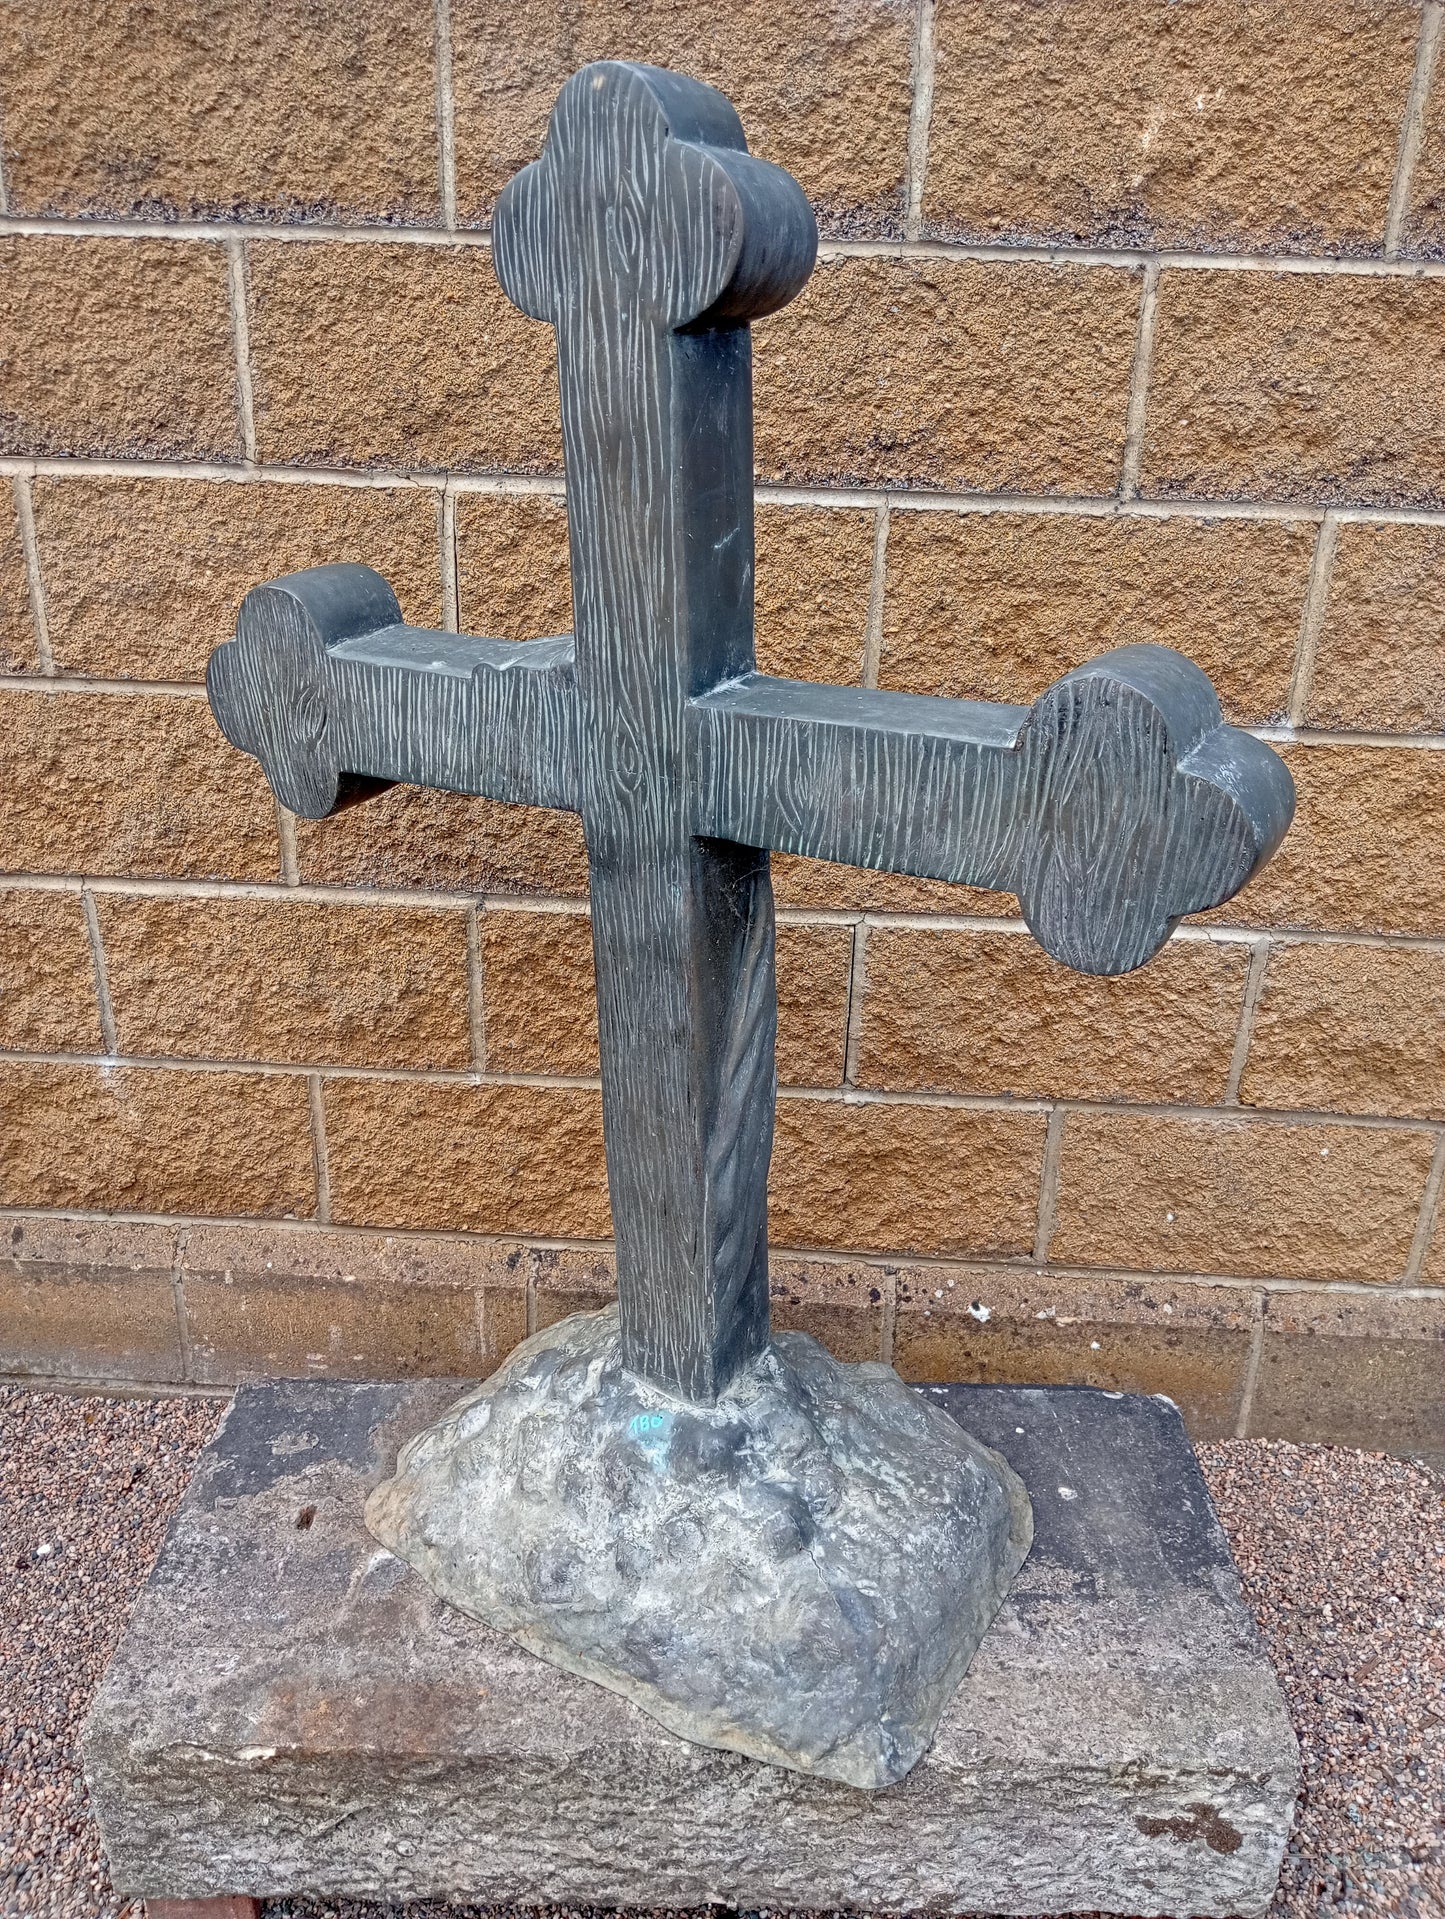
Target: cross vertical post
point(636, 235)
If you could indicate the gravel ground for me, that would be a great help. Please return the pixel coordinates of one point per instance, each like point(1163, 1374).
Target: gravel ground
point(1342, 1555)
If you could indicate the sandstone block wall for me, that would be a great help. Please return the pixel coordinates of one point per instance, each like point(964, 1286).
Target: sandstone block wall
point(1129, 323)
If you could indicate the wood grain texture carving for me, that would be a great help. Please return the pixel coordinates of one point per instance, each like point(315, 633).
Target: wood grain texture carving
point(649, 238)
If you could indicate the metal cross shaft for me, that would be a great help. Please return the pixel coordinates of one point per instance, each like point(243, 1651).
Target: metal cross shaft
point(649, 238)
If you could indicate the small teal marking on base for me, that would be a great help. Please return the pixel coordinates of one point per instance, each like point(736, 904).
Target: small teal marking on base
point(651, 1431)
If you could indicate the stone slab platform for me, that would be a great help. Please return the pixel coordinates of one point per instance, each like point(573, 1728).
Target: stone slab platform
point(292, 1710)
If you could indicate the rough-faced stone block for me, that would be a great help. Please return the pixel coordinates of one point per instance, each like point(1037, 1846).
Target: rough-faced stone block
point(815, 969)
point(966, 1012)
point(83, 1299)
point(823, 90)
point(541, 996)
point(540, 992)
point(1239, 1196)
point(814, 574)
point(1353, 1372)
point(1379, 665)
point(117, 347)
point(153, 1140)
point(1363, 853)
point(927, 1179)
point(17, 627)
point(265, 1325)
point(298, 983)
point(1346, 1028)
point(567, 1280)
point(1297, 387)
point(1424, 232)
point(286, 110)
point(47, 976)
point(1224, 125)
point(129, 784)
point(182, 554)
point(487, 1159)
point(413, 836)
point(1119, 1741)
point(513, 578)
point(349, 1304)
point(957, 374)
point(995, 606)
point(1133, 1335)
point(855, 889)
point(842, 1306)
point(397, 356)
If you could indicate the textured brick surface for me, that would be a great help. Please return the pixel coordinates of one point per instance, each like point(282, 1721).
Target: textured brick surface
point(567, 1280)
point(854, 889)
point(1424, 231)
point(86, 1324)
point(1363, 852)
point(412, 837)
point(1380, 664)
point(1353, 1371)
point(398, 355)
point(840, 1305)
point(821, 89)
point(88, 1299)
point(47, 979)
point(1233, 125)
point(995, 606)
point(362, 986)
point(991, 1013)
point(815, 968)
point(155, 1141)
point(814, 571)
point(1433, 1271)
point(490, 1159)
point(1350, 1029)
point(1298, 387)
point(541, 1005)
point(181, 555)
point(1227, 124)
point(116, 346)
point(539, 993)
point(17, 629)
point(513, 581)
point(290, 109)
point(950, 374)
point(476, 1288)
point(41, 1241)
point(129, 783)
point(336, 1256)
point(249, 1329)
point(1238, 1196)
point(1156, 1336)
point(923, 1179)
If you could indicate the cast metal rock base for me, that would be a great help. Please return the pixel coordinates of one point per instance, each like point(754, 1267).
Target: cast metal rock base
point(801, 1572)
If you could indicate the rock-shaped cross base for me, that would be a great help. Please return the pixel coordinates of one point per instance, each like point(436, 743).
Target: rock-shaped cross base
point(800, 1571)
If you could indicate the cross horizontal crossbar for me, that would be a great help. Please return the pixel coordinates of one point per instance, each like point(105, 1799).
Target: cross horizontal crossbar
point(1116, 804)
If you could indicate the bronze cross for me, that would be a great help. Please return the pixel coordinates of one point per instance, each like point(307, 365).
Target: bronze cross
point(649, 237)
